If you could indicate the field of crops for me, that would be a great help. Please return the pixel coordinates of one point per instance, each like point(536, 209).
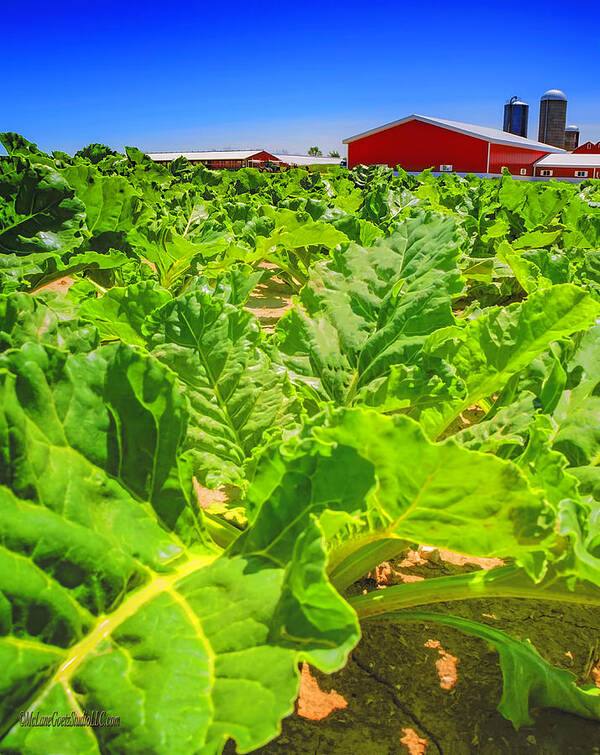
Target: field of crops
point(200, 499)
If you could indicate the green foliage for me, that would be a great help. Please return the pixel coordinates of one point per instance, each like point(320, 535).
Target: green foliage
point(39, 210)
point(368, 309)
point(489, 350)
point(95, 152)
point(236, 396)
point(115, 609)
point(185, 498)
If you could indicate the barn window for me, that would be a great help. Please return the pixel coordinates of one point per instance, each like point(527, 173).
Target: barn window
point(523, 171)
point(446, 168)
point(581, 173)
point(545, 172)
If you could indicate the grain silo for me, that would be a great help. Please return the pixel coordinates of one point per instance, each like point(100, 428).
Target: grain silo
point(516, 116)
point(553, 118)
point(571, 138)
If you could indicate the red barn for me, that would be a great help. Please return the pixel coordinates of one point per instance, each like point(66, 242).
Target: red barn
point(419, 142)
point(588, 148)
point(219, 159)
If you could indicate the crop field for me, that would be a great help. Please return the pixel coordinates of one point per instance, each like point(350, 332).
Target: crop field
point(296, 463)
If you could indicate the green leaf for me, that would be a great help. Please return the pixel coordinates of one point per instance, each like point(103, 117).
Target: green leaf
point(589, 480)
point(578, 408)
point(553, 385)
point(498, 344)
point(579, 525)
point(527, 273)
point(26, 319)
point(238, 399)
point(312, 234)
point(366, 310)
point(552, 265)
point(578, 435)
point(120, 312)
point(463, 500)
point(479, 270)
point(95, 153)
point(111, 202)
point(532, 206)
point(499, 228)
point(187, 657)
point(536, 239)
point(233, 286)
point(38, 209)
point(17, 145)
point(172, 253)
point(546, 468)
point(32, 271)
point(382, 203)
point(58, 393)
point(506, 433)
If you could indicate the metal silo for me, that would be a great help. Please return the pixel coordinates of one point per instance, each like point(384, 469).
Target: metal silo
point(553, 118)
point(516, 116)
point(571, 138)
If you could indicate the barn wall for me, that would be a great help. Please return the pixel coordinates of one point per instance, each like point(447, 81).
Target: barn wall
point(416, 146)
point(513, 158)
point(222, 164)
point(236, 163)
point(569, 172)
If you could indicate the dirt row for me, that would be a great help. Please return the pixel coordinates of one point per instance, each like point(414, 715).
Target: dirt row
point(425, 689)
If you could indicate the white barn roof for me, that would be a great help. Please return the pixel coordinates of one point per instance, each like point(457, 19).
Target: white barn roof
point(243, 154)
point(308, 160)
point(492, 135)
point(225, 154)
point(569, 160)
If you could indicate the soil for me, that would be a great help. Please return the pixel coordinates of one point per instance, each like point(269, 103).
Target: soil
point(61, 285)
point(425, 689)
point(269, 301)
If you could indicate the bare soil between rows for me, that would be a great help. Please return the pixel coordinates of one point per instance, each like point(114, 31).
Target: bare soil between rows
point(425, 689)
point(269, 301)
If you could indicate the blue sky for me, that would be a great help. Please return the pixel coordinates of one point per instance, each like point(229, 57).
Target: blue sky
point(285, 76)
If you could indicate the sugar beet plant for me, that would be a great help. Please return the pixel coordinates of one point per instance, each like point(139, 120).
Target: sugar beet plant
point(185, 500)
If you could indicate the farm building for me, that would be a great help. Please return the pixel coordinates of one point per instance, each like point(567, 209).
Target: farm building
point(418, 142)
point(568, 165)
point(235, 159)
point(588, 148)
point(229, 159)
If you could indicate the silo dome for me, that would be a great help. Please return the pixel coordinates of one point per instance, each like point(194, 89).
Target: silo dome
point(516, 101)
point(554, 94)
